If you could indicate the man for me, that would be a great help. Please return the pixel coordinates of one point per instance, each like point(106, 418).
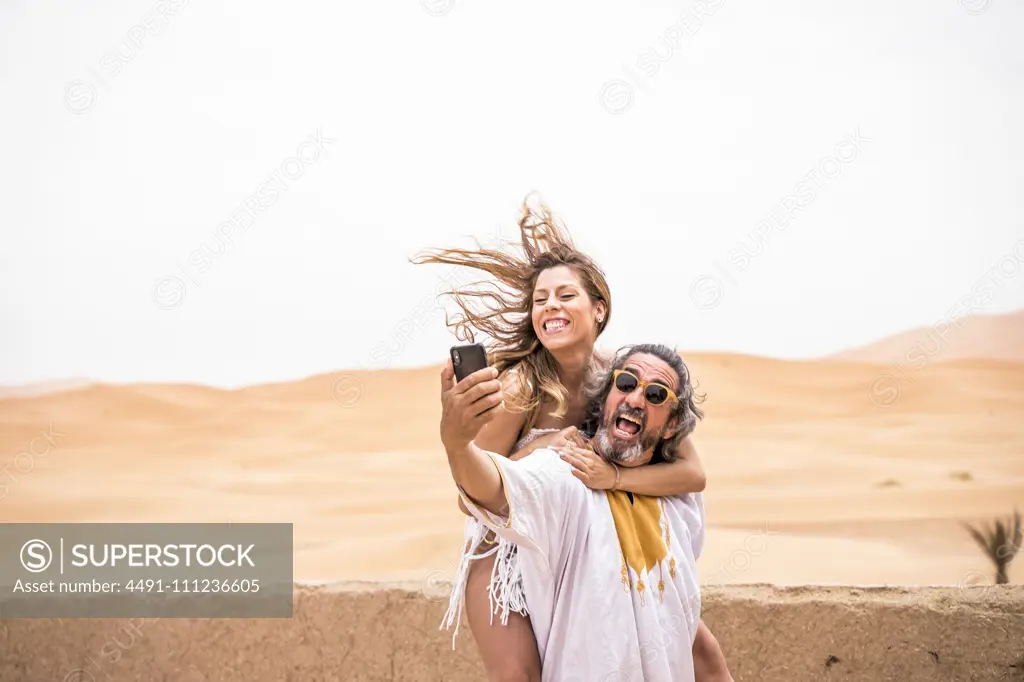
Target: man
point(610, 577)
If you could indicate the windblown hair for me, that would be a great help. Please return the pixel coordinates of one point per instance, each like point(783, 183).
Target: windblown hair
point(501, 306)
point(685, 412)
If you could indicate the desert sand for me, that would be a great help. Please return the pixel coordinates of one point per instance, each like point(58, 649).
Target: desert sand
point(994, 337)
point(824, 471)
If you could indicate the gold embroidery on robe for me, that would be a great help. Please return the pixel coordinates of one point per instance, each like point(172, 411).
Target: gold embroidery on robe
point(638, 525)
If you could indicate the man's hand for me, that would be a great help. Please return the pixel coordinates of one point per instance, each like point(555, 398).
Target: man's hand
point(595, 471)
point(467, 405)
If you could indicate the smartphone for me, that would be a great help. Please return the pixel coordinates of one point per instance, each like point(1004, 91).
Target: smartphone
point(468, 359)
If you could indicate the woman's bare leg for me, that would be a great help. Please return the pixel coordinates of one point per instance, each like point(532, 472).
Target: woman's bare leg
point(708, 660)
point(509, 652)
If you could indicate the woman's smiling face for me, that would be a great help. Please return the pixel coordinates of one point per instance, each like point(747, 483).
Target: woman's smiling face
point(563, 314)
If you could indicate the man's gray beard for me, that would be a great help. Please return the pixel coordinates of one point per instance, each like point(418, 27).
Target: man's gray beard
point(632, 452)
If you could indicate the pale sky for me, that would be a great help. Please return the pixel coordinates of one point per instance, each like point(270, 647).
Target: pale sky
point(125, 147)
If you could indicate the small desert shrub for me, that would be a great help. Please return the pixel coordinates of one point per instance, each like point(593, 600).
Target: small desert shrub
point(1000, 543)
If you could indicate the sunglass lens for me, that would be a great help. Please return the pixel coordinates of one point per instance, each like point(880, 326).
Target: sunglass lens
point(655, 394)
point(625, 383)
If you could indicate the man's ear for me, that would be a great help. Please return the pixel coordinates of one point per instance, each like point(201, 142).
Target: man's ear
point(672, 428)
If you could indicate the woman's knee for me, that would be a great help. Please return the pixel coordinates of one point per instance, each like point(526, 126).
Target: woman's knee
point(709, 663)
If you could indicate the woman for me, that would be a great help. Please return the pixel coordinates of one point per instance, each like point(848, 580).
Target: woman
point(544, 314)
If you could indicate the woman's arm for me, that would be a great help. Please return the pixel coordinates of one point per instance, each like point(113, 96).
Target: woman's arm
point(685, 475)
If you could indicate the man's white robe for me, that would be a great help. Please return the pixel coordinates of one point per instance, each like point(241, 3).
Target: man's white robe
point(610, 580)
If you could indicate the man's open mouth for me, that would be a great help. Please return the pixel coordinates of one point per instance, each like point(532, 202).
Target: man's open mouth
point(627, 427)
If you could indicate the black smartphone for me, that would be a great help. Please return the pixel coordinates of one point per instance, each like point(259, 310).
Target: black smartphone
point(468, 359)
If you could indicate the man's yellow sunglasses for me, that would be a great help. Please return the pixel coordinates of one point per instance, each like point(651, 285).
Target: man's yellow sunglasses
point(655, 393)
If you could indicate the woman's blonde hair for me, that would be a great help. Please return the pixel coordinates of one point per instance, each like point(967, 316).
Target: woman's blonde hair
point(502, 308)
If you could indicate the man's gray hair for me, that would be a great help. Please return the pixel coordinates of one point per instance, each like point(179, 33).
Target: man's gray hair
point(685, 412)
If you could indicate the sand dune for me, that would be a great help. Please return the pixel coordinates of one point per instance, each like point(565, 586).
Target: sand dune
point(996, 337)
point(42, 388)
point(825, 471)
